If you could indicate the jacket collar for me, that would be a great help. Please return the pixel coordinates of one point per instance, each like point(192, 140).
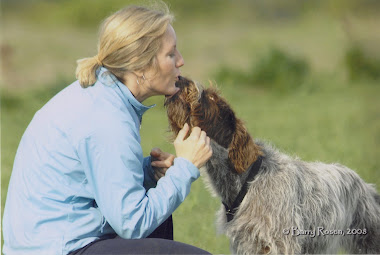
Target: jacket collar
point(110, 80)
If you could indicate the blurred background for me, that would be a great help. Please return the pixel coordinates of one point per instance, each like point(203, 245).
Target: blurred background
point(303, 75)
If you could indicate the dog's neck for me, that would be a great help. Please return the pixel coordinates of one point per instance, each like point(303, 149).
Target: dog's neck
point(225, 181)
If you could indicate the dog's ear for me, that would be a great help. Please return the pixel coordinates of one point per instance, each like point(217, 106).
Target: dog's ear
point(220, 124)
point(209, 96)
point(242, 150)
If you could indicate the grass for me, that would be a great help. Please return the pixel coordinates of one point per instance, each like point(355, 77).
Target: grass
point(329, 118)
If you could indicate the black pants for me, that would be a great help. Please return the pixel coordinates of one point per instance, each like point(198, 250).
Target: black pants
point(159, 242)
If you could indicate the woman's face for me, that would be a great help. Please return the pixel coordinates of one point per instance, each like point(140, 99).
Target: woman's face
point(169, 60)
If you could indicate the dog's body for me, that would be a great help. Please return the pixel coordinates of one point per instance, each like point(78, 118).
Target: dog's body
point(296, 207)
point(291, 206)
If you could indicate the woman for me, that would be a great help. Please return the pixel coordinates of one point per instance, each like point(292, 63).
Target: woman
point(80, 184)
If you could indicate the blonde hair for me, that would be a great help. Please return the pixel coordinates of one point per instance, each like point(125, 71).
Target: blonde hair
point(128, 41)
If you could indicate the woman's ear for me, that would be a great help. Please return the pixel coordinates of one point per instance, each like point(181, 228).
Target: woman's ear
point(139, 72)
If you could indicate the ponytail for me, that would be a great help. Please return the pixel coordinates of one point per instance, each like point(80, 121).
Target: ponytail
point(86, 71)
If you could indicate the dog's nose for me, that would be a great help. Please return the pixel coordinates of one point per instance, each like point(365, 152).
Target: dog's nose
point(177, 83)
point(182, 82)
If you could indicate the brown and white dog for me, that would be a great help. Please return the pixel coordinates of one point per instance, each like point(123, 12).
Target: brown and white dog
point(273, 203)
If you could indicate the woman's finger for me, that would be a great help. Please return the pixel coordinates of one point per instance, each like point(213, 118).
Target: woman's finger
point(162, 164)
point(182, 133)
point(203, 136)
point(208, 141)
point(155, 152)
point(195, 133)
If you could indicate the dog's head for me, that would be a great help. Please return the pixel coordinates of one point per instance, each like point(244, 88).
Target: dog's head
point(205, 108)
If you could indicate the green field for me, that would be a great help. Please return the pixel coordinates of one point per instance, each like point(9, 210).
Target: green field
point(329, 115)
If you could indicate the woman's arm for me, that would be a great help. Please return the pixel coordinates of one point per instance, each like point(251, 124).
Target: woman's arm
point(113, 162)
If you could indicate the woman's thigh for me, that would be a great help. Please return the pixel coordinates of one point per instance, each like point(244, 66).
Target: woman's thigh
point(159, 242)
point(138, 246)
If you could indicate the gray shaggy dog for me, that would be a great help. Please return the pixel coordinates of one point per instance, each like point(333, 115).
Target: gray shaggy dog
point(274, 203)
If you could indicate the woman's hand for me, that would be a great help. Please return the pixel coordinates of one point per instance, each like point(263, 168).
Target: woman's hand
point(196, 148)
point(161, 161)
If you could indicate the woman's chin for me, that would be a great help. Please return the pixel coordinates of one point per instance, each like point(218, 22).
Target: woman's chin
point(170, 95)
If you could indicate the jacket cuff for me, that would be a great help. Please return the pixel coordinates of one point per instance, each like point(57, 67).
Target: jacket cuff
point(193, 171)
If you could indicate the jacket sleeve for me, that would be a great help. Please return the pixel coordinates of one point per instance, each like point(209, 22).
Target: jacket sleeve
point(113, 162)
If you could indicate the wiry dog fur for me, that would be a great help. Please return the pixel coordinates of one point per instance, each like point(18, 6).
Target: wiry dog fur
point(288, 199)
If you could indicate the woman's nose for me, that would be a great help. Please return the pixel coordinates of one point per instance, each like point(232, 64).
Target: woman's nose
point(180, 61)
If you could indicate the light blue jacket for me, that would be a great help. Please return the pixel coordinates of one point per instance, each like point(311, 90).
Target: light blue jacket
point(79, 174)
